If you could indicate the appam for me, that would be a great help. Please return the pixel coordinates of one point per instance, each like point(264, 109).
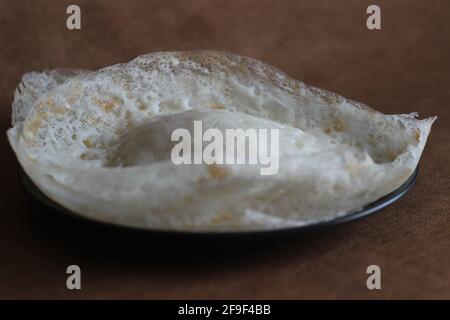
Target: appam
point(98, 144)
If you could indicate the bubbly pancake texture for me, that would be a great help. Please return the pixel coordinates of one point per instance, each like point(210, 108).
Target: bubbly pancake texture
point(98, 143)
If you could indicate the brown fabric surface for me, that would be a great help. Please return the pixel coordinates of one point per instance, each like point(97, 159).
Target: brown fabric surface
point(402, 68)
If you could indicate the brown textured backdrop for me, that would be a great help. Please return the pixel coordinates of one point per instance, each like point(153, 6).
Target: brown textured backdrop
point(402, 68)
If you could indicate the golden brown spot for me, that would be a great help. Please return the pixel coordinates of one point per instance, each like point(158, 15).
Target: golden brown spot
point(108, 105)
point(50, 105)
point(59, 110)
point(87, 156)
point(218, 172)
point(216, 106)
point(141, 106)
point(54, 108)
point(391, 155)
point(417, 135)
point(327, 130)
point(222, 217)
point(88, 143)
point(339, 125)
point(72, 99)
point(75, 93)
point(34, 124)
point(294, 84)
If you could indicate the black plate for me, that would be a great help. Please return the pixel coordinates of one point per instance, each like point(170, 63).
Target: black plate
point(367, 210)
